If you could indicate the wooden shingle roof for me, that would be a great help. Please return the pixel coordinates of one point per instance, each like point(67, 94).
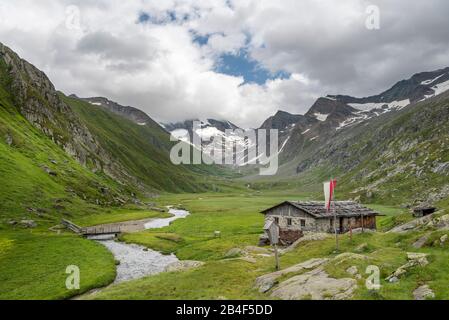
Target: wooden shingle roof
point(317, 209)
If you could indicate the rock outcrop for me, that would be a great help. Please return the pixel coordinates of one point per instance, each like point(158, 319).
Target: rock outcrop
point(309, 280)
point(266, 282)
point(423, 293)
point(183, 265)
point(315, 285)
point(414, 260)
point(412, 225)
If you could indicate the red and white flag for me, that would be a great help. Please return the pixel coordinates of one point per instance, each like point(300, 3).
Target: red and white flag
point(329, 193)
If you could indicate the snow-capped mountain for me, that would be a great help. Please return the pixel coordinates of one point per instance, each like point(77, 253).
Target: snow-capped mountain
point(335, 113)
point(326, 117)
point(419, 87)
point(216, 136)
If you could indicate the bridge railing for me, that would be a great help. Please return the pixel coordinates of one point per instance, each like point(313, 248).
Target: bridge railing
point(91, 230)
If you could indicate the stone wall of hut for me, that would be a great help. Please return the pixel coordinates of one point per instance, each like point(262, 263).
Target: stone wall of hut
point(304, 222)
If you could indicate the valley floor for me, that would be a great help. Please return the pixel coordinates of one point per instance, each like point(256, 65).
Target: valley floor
point(33, 262)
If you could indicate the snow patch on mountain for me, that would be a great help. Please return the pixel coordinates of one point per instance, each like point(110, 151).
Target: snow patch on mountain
point(370, 110)
point(430, 81)
point(208, 132)
point(321, 116)
point(181, 134)
point(441, 87)
point(304, 132)
point(374, 105)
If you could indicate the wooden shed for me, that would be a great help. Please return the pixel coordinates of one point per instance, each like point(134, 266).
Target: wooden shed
point(423, 211)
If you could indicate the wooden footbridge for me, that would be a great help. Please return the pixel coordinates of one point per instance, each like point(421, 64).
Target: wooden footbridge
point(91, 232)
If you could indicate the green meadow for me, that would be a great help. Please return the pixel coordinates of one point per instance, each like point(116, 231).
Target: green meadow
point(237, 217)
point(44, 255)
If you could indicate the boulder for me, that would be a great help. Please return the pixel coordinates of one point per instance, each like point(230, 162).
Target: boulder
point(8, 139)
point(28, 223)
point(361, 248)
point(412, 225)
point(248, 259)
point(257, 250)
point(343, 257)
point(423, 293)
point(183, 265)
point(420, 242)
point(268, 281)
point(442, 223)
point(414, 260)
point(264, 240)
point(443, 239)
point(234, 252)
point(353, 271)
point(418, 258)
point(393, 279)
point(315, 285)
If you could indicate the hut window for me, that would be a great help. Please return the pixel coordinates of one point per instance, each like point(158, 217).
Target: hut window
point(289, 221)
point(303, 223)
point(276, 219)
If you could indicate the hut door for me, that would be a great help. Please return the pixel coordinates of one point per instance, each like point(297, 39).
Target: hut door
point(341, 229)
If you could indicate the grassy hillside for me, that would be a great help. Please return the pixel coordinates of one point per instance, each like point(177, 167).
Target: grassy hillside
point(143, 150)
point(38, 178)
point(43, 259)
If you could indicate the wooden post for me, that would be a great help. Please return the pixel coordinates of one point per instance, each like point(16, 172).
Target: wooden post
point(335, 226)
point(276, 257)
point(363, 227)
point(350, 229)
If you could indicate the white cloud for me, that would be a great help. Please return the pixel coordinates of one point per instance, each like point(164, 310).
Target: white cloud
point(157, 67)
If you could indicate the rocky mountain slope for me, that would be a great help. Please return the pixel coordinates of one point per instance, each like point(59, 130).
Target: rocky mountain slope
point(130, 113)
point(47, 165)
point(389, 146)
point(401, 155)
point(59, 151)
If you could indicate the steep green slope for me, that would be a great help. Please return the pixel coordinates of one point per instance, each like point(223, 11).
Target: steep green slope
point(143, 150)
point(35, 173)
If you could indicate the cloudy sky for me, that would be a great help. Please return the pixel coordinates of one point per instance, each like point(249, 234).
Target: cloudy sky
point(240, 60)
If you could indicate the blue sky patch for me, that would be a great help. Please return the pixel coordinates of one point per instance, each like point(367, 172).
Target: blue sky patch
point(144, 17)
point(201, 40)
point(241, 65)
